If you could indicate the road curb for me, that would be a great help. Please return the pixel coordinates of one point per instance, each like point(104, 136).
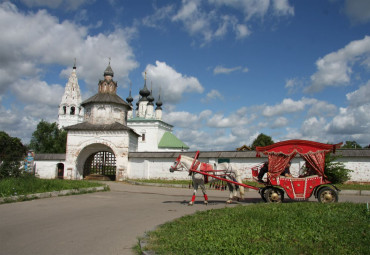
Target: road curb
point(53, 194)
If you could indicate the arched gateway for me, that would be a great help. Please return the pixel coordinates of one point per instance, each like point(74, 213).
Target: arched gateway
point(100, 144)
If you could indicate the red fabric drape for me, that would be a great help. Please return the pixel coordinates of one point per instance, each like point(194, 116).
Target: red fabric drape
point(278, 162)
point(316, 161)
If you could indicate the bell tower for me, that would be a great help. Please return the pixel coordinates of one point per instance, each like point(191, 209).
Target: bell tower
point(70, 110)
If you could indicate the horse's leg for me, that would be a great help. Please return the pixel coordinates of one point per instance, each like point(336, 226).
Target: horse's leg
point(240, 188)
point(204, 193)
point(231, 193)
point(195, 183)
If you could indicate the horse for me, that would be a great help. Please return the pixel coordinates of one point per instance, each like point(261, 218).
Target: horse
point(185, 163)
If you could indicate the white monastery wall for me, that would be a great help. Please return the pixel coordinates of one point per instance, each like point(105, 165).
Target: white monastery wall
point(47, 169)
point(360, 168)
point(141, 167)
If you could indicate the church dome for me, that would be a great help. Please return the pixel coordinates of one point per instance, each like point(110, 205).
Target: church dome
point(144, 93)
point(108, 71)
point(159, 103)
point(129, 99)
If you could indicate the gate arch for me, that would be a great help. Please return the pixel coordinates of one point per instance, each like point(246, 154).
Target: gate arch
point(100, 164)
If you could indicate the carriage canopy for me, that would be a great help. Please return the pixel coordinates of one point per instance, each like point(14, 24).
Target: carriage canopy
point(281, 153)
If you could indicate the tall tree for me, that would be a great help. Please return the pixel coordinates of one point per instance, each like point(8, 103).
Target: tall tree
point(262, 140)
point(351, 145)
point(48, 138)
point(12, 152)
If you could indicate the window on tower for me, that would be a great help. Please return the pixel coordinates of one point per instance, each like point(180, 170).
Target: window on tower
point(143, 137)
point(64, 109)
point(72, 110)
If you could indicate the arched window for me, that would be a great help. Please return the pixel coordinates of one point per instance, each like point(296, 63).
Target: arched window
point(64, 109)
point(72, 110)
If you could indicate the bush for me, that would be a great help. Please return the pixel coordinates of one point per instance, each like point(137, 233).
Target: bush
point(336, 171)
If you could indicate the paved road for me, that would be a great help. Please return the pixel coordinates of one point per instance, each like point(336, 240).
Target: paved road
point(100, 223)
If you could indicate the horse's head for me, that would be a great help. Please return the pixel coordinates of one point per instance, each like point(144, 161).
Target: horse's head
point(177, 166)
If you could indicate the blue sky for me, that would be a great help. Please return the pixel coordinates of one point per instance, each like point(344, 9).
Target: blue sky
point(227, 70)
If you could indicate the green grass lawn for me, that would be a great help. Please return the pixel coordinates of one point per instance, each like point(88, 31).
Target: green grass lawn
point(291, 228)
point(30, 185)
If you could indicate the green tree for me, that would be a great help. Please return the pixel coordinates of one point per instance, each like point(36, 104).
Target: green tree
point(12, 152)
point(262, 140)
point(351, 145)
point(48, 138)
point(336, 171)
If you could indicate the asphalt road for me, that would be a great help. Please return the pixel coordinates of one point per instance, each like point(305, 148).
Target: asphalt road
point(103, 222)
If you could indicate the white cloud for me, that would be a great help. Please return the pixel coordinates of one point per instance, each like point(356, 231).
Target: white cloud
point(200, 18)
point(226, 70)
point(187, 120)
point(33, 90)
point(280, 122)
point(358, 10)
point(293, 85)
point(314, 128)
point(335, 69)
point(359, 97)
point(287, 106)
point(212, 95)
point(282, 7)
point(355, 119)
point(53, 4)
point(321, 108)
point(257, 8)
point(173, 84)
point(159, 15)
point(242, 31)
point(37, 41)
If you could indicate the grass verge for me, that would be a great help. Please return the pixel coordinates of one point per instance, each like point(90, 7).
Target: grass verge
point(296, 228)
point(31, 185)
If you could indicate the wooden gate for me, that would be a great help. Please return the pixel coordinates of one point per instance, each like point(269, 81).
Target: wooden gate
point(100, 164)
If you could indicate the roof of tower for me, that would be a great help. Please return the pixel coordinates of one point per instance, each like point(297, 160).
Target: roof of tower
point(144, 92)
point(129, 99)
point(159, 103)
point(108, 71)
point(89, 126)
point(105, 98)
point(169, 140)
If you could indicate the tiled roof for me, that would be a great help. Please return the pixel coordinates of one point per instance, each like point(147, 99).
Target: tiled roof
point(89, 126)
point(50, 156)
point(140, 119)
point(105, 98)
point(169, 140)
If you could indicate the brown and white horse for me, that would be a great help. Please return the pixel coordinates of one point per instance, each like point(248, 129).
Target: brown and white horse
point(184, 163)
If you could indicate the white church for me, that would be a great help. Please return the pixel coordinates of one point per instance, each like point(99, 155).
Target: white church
point(104, 128)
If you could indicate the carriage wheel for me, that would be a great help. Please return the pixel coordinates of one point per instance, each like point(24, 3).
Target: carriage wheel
point(274, 195)
point(263, 194)
point(327, 195)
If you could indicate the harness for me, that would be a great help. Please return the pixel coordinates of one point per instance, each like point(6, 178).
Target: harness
point(204, 167)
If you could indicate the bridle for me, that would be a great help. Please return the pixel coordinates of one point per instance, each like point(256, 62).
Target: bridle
point(174, 168)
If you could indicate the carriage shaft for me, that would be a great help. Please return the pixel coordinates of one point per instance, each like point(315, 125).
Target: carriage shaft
point(226, 180)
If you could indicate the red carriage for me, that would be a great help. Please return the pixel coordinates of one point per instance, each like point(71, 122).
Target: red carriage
point(313, 182)
point(279, 156)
